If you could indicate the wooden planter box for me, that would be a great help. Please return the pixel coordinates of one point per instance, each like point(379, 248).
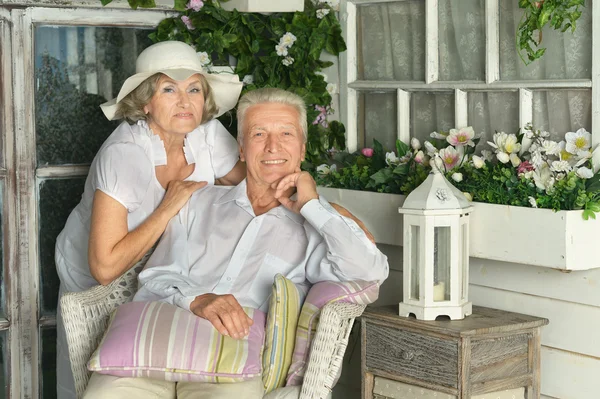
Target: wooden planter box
point(265, 6)
point(539, 237)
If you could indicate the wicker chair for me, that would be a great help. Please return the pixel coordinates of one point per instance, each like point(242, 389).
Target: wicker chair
point(86, 315)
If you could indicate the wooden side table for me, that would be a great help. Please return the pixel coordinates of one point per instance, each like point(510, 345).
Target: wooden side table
point(489, 351)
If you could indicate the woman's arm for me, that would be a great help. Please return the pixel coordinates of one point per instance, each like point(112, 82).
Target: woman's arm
point(235, 175)
point(112, 249)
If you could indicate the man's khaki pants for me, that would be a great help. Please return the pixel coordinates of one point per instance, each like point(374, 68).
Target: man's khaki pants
point(110, 387)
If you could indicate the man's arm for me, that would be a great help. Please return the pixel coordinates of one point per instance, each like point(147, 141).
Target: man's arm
point(342, 251)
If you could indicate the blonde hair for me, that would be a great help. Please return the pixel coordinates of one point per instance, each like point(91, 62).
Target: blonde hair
point(271, 95)
point(131, 107)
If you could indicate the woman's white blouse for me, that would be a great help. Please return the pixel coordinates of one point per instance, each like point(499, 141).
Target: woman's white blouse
point(124, 169)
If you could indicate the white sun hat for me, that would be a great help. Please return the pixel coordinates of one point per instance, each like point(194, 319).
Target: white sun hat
point(178, 61)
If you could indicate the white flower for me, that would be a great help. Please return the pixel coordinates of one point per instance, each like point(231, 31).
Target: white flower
point(322, 12)
point(478, 162)
point(287, 40)
point(537, 159)
point(514, 160)
point(287, 61)
point(578, 141)
point(430, 148)
point(532, 202)
point(503, 157)
point(325, 169)
point(281, 50)
point(248, 79)
point(543, 178)
point(419, 157)
point(415, 143)
point(468, 196)
point(505, 143)
point(585, 173)
point(436, 135)
point(391, 159)
point(204, 58)
point(437, 163)
point(331, 88)
point(544, 134)
point(457, 177)
point(596, 159)
point(487, 155)
point(550, 147)
point(560, 166)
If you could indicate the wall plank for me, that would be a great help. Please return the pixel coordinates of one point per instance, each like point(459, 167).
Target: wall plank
point(580, 286)
point(573, 327)
point(568, 375)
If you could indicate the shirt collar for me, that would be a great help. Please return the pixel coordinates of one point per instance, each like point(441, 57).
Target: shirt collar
point(159, 154)
point(240, 196)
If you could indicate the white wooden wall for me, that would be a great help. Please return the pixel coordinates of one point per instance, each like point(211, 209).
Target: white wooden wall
point(571, 301)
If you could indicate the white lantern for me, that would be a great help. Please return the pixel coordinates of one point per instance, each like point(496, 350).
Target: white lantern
point(436, 251)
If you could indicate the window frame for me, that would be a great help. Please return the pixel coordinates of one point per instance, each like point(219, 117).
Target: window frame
point(21, 219)
point(351, 86)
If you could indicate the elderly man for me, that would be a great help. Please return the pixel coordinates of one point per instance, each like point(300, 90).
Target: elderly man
point(225, 247)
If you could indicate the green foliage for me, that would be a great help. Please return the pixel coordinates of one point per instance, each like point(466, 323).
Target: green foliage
point(251, 38)
point(559, 14)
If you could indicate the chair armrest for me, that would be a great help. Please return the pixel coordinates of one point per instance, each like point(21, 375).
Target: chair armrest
point(85, 317)
point(328, 348)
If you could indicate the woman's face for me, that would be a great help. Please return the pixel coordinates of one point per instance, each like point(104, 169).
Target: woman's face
point(176, 106)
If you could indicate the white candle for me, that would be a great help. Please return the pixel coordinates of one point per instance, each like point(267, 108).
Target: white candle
point(439, 292)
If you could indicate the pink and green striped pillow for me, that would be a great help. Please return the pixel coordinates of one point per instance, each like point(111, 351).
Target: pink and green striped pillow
point(162, 341)
point(320, 294)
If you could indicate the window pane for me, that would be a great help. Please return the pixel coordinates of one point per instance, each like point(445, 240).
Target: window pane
point(441, 263)
point(462, 39)
point(415, 248)
point(2, 288)
point(391, 41)
point(562, 111)
point(48, 362)
point(377, 119)
point(3, 365)
point(76, 70)
point(568, 55)
point(57, 198)
point(430, 112)
point(493, 111)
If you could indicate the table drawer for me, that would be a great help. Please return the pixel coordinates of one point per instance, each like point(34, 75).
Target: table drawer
point(419, 356)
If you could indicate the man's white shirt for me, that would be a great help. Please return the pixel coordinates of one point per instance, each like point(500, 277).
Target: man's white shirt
point(216, 244)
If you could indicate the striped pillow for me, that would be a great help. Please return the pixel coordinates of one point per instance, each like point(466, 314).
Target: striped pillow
point(162, 341)
point(282, 319)
point(320, 294)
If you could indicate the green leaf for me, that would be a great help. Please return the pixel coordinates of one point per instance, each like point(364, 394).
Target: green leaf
point(180, 4)
point(402, 148)
point(381, 176)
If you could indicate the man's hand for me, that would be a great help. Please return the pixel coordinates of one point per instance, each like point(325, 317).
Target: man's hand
point(306, 190)
point(224, 312)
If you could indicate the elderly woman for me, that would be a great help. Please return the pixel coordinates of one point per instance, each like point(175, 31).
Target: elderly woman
point(169, 146)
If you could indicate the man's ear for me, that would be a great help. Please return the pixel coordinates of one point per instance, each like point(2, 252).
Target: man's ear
point(303, 152)
point(241, 151)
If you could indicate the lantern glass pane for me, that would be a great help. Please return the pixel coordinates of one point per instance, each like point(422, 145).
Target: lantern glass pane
point(441, 263)
point(464, 259)
point(415, 249)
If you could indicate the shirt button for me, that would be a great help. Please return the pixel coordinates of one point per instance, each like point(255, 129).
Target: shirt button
point(228, 278)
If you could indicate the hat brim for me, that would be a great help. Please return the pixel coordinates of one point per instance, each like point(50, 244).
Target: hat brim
point(225, 88)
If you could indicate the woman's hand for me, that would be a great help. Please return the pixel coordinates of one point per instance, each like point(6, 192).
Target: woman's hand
point(177, 195)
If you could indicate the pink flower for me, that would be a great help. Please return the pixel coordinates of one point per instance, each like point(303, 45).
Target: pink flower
point(461, 137)
point(322, 117)
point(367, 152)
point(188, 23)
point(195, 5)
point(449, 157)
point(524, 167)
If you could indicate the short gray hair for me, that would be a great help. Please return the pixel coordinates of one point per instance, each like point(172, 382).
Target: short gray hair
point(271, 95)
point(131, 107)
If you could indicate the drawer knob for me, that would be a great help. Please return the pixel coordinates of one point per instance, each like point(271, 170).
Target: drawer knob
point(409, 355)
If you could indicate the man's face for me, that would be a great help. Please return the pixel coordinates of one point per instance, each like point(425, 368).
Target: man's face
point(273, 143)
